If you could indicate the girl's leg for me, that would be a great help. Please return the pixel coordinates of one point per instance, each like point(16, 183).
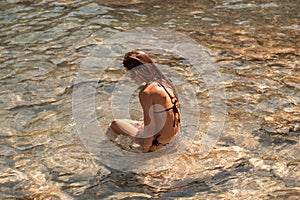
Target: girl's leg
point(126, 127)
point(133, 129)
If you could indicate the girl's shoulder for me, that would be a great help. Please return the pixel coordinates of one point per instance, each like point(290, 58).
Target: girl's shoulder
point(150, 88)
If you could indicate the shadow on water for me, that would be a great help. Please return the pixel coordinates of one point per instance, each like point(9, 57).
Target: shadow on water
point(122, 184)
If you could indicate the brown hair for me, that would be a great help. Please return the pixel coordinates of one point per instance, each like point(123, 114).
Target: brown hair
point(147, 70)
point(135, 58)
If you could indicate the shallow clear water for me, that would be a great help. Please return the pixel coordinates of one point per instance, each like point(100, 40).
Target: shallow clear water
point(255, 46)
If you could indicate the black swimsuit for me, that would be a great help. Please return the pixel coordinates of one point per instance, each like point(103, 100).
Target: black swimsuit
point(175, 112)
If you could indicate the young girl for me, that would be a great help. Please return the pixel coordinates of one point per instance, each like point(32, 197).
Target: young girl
point(159, 101)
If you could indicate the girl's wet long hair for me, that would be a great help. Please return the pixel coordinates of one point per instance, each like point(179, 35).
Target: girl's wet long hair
point(141, 65)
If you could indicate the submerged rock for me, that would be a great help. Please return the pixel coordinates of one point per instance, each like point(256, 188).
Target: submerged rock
point(285, 121)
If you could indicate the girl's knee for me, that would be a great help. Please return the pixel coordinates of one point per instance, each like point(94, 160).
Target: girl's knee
point(114, 123)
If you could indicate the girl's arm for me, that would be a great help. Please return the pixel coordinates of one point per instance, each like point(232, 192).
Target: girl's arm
point(146, 101)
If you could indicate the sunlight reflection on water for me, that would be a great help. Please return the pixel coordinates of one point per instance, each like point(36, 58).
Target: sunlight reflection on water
point(257, 51)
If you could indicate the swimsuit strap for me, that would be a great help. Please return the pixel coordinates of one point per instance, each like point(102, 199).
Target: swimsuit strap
point(167, 92)
point(174, 108)
point(155, 142)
